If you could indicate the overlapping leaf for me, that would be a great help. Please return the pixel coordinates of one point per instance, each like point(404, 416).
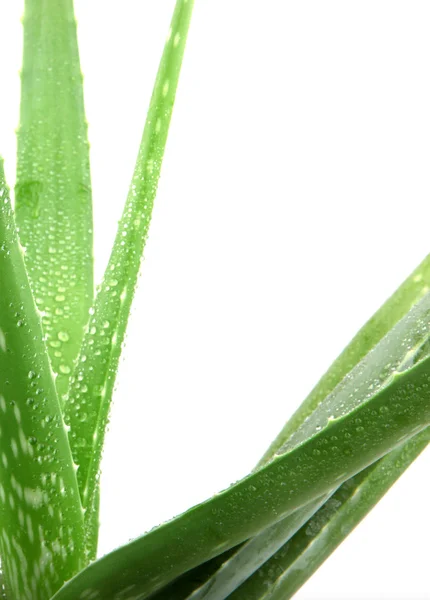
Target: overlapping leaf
point(390, 313)
point(254, 553)
point(357, 414)
point(87, 408)
point(289, 568)
point(53, 191)
point(211, 582)
point(41, 520)
point(339, 446)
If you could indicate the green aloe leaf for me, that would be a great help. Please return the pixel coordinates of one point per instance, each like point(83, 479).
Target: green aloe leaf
point(341, 442)
point(366, 410)
point(281, 576)
point(208, 585)
point(300, 557)
point(319, 547)
point(373, 372)
point(254, 553)
point(41, 519)
point(390, 313)
point(53, 190)
point(87, 408)
point(224, 573)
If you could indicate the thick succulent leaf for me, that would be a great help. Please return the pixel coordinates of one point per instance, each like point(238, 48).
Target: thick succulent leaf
point(53, 190)
point(320, 547)
point(414, 287)
point(254, 553)
point(338, 449)
point(281, 576)
point(409, 345)
point(184, 585)
point(414, 348)
point(87, 408)
point(394, 309)
point(41, 519)
point(390, 313)
point(406, 344)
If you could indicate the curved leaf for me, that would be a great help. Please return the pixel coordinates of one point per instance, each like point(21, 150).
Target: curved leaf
point(390, 313)
point(254, 553)
point(343, 447)
point(416, 284)
point(396, 307)
point(281, 576)
point(41, 519)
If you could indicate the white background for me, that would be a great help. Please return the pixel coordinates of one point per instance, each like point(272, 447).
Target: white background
point(295, 197)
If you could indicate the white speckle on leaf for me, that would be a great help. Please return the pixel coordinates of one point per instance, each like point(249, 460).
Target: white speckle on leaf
point(21, 517)
point(34, 497)
point(17, 413)
point(14, 447)
point(25, 446)
point(2, 340)
point(30, 528)
point(89, 594)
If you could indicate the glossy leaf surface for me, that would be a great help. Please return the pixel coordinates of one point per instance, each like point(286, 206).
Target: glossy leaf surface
point(390, 313)
point(41, 520)
point(53, 190)
point(407, 295)
point(343, 447)
point(282, 576)
point(92, 384)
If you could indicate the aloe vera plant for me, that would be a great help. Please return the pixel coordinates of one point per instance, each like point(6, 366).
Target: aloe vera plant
point(60, 345)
